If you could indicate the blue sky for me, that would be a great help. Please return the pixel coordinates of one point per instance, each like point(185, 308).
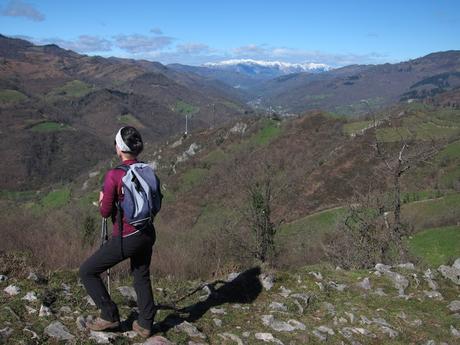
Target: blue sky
point(195, 32)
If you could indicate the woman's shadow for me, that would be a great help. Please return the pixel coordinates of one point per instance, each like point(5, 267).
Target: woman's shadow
point(243, 289)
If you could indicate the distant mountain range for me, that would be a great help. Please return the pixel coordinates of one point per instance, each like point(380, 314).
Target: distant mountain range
point(247, 73)
point(57, 105)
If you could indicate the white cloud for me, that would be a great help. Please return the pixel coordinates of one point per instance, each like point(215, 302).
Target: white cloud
point(18, 8)
point(83, 44)
point(137, 43)
point(250, 49)
point(192, 48)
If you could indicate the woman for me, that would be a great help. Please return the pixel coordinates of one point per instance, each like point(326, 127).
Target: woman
point(131, 243)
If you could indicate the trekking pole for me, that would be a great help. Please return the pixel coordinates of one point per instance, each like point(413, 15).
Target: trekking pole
point(105, 238)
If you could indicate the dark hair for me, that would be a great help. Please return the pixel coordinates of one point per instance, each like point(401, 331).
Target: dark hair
point(133, 139)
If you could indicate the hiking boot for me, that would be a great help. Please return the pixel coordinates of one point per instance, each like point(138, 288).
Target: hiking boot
point(102, 325)
point(141, 331)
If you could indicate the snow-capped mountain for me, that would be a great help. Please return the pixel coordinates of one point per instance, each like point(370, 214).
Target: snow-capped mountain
point(266, 69)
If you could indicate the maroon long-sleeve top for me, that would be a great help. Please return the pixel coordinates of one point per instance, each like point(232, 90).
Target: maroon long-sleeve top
point(112, 194)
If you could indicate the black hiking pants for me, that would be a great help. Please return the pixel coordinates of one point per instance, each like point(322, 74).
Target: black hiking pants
point(137, 247)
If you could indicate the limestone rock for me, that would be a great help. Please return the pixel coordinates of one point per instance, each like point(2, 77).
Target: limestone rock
point(220, 311)
point(103, 337)
point(276, 306)
point(6, 332)
point(429, 278)
point(317, 275)
point(336, 286)
point(267, 280)
point(32, 276)
point(456, 264)
point(282, 326)
point(454, 306)
point(400, 282)
point(217, 322)
point(44, 311)
point(433, 295)
point(233, 337)
point(285, 292)
point(365, 284)
point(12, 290)
point(58, 331)
point(30, 296)
point(305, 298)
point(454, 332)
point(407, 266)
point(452, 273)
point(30, 310)
point(128, 292)
point(268, 338)
point(190, 330)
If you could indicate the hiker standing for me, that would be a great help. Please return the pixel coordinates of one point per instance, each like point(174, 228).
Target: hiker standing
point(128, 241)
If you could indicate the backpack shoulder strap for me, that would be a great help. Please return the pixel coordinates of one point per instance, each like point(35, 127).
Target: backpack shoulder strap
point(123, 167)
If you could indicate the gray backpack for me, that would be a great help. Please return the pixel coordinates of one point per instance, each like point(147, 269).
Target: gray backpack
point(142, 195)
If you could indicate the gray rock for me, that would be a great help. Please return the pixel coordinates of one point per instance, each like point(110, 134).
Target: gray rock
point(246, 334)
point(190, 330)
point(82, 321)
point(220, 311)
point(282, 326)
point(320, 286)
point(232, 276)
point(32, 276)
point(90, 301)
point(317, 275)
point(58, 331)
point(158, 340)
point(3, 278)
point(276, 306)
point(433, 295)
point(44, 311)
point(217, 322)
point(30, 310)
point(356, 330)
point(429, 278)
point(456, 264)
point(230, 336)
point(389, 331)
point(6, 332)
point(268, 338)
point(319, 335)
point(351, 316)
point(365, 284)
point(400, 282)
point(416, 323)
point(285, 292)
point(329, 308)
point(299, 306)
point(336, 286)
point(454, 332)
point(326, 330)
point(454, 306)
point(452, 273)
point(430, 342)
point(103, 337)
point(12, 290)
point(407, 266)
point(30, 296)
point(128, 292)
point(65, 310)
point(305, 298)
point(380, 292)
point(382, 268)
point(267, 280)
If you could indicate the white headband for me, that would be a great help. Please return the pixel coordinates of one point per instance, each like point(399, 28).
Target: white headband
point(120, 143)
